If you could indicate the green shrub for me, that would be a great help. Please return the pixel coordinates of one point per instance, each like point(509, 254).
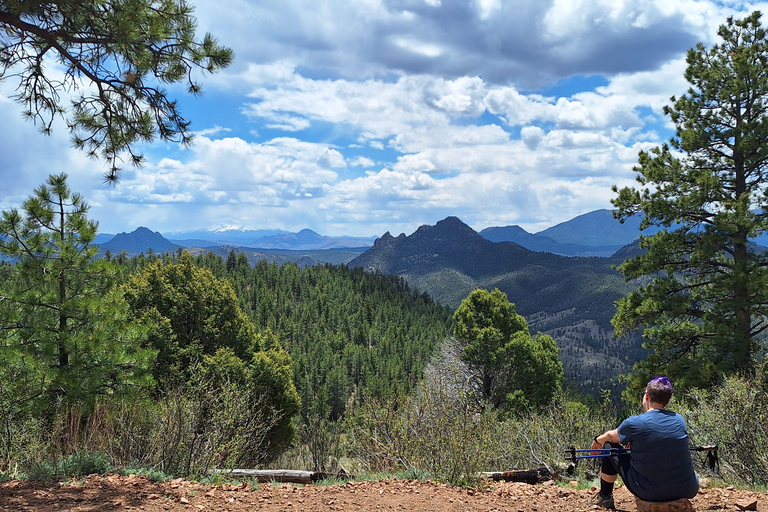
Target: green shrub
point(85, 463)
point(22, 435)
point(540, 439)
point(185, 432)
point(78, 464)
point(376, 435)
point(191, 430)
point(445, 429)
point(432, 432)
point(734, 416)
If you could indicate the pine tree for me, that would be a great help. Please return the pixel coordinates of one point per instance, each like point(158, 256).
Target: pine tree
point(118, 55)
point(65, 331)
point(703, 299)
point(515, 370)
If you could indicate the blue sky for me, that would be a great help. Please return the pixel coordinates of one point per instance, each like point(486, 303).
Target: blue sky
point(357, 118)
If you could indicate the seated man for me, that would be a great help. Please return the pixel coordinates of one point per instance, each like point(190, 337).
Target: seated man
point(659, 467)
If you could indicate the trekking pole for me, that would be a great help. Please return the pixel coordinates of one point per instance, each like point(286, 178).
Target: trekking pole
point(589, 453)
point(601, 452)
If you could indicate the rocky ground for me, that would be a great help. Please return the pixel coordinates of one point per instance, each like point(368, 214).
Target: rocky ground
point(136, 493)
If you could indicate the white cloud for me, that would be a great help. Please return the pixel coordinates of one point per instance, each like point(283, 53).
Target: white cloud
point(215, 130)
point(532, 136)
point(380, 115)
point(414, 45)
point(415, 164)
point(487, 8)
point(463, 96)
point(517, 108)
point(361, 161)
point(524, 41)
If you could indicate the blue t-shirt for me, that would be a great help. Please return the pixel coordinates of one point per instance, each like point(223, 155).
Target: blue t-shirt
point(661, 468)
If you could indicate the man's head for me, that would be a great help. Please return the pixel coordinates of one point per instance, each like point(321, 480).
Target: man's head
point(659, 390)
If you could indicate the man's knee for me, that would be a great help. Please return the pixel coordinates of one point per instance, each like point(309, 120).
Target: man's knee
point(610, 462)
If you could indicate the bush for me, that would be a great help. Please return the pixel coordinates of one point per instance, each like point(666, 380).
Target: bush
point(85, 463)
point(445, 428)
point(541, 439)
point(22, 438)
point(735, 417)
point(454, 441)
point(78, 464)
point(185, 433)
point(376, 435)
point(449, 438)
point(194, 429)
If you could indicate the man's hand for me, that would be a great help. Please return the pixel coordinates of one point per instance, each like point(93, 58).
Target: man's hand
point(595, 446)
point(612, 436)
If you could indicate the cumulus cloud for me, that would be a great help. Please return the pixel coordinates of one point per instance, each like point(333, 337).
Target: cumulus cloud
point(532, 136)
point(381, 115)
point(526, 42)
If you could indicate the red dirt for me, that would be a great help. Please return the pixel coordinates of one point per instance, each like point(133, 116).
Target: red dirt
point(135, 493)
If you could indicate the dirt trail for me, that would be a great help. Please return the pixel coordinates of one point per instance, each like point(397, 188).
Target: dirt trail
point(136, 493)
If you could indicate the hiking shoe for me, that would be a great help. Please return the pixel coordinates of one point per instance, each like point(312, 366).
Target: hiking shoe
point(602, 501)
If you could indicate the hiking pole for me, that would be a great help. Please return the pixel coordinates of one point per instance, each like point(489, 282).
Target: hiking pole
point(602, 452)
point(576, 455)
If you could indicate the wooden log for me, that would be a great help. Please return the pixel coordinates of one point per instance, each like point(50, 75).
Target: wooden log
point(530, 476)
point(681, 505)
point(279, 475)
point(270, 475)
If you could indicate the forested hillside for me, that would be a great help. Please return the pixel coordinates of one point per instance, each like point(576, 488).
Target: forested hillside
point(350, 333)
point(570, 298)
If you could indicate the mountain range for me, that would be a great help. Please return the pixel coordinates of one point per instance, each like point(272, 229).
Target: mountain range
point(595, 233)
point(562, 280)
point(592, 234)
point(570, 298)
point(305, 248)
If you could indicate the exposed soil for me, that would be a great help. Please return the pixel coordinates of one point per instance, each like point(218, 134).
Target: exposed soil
point(136, 493)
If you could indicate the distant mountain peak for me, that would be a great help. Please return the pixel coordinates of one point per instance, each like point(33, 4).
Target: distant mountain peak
point(451, 220)
point(450, 223)
point(595, 233)
point(306, 239)
point(450, 241)
point(451, 227)
point(141, 240)
point(596, 228)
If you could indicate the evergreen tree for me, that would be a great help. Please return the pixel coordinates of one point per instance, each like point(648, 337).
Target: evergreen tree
point(65, 333)
point(199, 312)
point(203, 328)
point(515, 370)
point(118, 54)
point(703, 299)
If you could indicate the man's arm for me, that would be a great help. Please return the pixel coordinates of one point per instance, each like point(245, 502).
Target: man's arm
point(611, 436)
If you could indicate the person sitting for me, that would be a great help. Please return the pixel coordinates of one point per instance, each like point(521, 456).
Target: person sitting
point(659, 466)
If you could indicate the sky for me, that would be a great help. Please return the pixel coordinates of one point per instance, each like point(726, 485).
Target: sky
point(372, 116)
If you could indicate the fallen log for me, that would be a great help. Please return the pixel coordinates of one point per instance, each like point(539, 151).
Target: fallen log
point(280, 475)
point(530, 476)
